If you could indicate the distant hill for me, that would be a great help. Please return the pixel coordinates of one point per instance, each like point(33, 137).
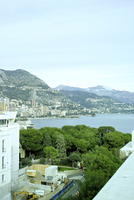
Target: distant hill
point(90, 100)
point(25, 87)
point(68, 88)
point(122, 96)
point(22, 85)
point(20, 78)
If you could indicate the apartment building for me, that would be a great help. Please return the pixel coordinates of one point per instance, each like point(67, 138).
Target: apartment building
point(9, 154)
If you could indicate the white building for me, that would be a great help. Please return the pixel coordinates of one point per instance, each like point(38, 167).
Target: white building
point(128, 148)
point(9, 154)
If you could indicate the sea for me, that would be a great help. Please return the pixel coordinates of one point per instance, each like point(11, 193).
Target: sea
point(121, 122)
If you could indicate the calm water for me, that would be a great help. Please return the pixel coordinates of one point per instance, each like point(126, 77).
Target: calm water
point(122, 122)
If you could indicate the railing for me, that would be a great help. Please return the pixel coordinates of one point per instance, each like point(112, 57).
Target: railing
point(61, 192)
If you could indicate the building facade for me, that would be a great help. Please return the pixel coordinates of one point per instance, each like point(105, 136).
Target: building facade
point(9, 154)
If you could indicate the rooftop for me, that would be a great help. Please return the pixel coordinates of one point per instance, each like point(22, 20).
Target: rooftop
point(7, 115)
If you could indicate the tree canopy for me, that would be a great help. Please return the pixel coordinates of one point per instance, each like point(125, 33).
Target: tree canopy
point(96, 148)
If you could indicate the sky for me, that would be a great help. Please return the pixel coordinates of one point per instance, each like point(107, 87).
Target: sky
point(81, 43)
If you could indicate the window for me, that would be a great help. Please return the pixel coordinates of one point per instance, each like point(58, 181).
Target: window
point(2, 122)
point(3, 178)
point(3, 145)
point(3, 162)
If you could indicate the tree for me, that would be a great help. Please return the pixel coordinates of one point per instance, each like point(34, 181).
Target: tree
point(102, 159)
point(98, 149)
point(102, 131)
point(70, 143)
point(50, 153)
point(47, 139)
point(31, 140)
point(60, 146)
point(74, 157)
point(80, 138)
point(95, 180)
point(114, 140)
point(127, 137)
point(81, 145)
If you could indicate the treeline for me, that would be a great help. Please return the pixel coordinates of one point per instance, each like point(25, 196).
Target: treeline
point(97, 149)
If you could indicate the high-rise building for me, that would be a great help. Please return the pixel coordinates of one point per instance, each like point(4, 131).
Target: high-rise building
point(9, 154)
point(4, 104)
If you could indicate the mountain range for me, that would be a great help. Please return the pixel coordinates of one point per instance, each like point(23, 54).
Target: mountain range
point(24, 86)
point(122, 96)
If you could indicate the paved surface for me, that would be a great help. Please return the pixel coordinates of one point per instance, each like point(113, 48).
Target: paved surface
point(51, 194)
point(71, 174)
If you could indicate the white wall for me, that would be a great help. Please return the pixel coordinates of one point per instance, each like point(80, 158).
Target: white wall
point(15, 154)
point(7, 158)
point(10, 135)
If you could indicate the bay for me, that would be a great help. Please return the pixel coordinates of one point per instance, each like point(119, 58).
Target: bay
point(122, 122)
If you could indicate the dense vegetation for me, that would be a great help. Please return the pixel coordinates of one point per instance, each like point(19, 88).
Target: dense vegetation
point(96, 149)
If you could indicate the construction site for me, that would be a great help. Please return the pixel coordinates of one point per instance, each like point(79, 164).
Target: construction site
point(42, 182)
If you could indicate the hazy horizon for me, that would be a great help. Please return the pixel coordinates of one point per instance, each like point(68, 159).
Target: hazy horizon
point(80, 43)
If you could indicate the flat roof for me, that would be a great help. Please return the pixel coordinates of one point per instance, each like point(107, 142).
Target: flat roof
point(121, 184)
point(7, 115)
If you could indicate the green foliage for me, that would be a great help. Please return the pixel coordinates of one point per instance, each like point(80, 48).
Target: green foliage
point(60, 146)
point(47, 139)
point(24, 162)
point(80, 138)
point(42, 160)
point(101, 165)
point(74, 157)
point(94, 182)
point(105, 129)
point(31, 140)
point(102, 131)
point(81, 145)
point(97, 149)
point(50, 153)
point(101, 159)
point(114, 139)
point(62, 169)
point(127, 137)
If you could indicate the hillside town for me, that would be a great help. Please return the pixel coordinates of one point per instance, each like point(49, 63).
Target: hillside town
point(33, 109)
point(31, 97)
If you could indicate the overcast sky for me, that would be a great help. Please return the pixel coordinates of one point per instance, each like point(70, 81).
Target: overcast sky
point(75, 42)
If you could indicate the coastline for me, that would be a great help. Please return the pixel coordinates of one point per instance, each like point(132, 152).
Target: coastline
point(122, 122)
